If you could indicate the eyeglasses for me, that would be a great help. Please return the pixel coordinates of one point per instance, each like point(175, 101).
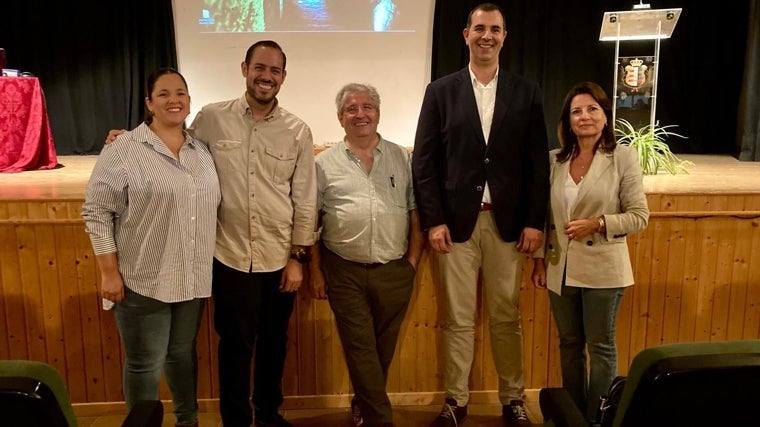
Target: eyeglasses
point(354, 109)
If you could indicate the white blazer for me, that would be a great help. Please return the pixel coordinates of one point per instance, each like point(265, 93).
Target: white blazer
point(613, 187)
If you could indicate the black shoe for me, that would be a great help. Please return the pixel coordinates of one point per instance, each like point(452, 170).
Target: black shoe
point(514, 414)
point(275, 420)
point(451, 415)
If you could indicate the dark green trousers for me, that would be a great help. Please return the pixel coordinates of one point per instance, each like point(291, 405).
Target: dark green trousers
point(369, 302)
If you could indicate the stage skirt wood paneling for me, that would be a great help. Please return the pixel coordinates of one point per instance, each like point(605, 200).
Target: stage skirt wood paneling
point(697, 270)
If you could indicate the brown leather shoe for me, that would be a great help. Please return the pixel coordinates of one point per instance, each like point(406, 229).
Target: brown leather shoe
point(356, 415)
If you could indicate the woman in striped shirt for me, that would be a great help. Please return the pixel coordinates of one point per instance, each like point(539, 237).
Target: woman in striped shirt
point(150, 211)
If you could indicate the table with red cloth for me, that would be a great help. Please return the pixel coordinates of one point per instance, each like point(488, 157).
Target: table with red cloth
point(26, 142)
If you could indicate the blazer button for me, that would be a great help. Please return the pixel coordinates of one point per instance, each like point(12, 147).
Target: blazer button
point(552, 227)
point(487, 160)
point(551, 246)
point(589, 243)
point(479, 188)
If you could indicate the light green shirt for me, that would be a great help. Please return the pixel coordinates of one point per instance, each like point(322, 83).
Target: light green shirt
point(365, 215)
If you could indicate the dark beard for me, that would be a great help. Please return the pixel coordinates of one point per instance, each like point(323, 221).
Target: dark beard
point(261, 101)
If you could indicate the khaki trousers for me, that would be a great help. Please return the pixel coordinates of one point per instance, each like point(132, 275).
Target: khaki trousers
point(500, 265)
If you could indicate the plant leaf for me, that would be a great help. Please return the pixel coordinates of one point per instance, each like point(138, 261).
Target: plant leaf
point(650, 144)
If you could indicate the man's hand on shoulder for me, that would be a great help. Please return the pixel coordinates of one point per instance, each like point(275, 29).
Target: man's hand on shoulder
point(112, 134)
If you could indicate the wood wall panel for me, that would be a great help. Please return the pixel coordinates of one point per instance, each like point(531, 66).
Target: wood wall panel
point(751, 315)
point(697, 272)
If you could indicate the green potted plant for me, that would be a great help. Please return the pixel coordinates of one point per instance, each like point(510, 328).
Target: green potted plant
point(649, 143)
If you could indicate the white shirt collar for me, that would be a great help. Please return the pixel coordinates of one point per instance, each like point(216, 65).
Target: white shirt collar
point(475, 81)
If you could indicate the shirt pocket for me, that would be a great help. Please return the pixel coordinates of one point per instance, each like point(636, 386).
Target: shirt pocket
point(224, 145)
point(283, 164)
point(399, 185)
point(226, 153)
point(618, 238)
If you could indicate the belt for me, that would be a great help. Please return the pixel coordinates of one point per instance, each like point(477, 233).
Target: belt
point(367, 265)
point(370, 265)
point(485, 207)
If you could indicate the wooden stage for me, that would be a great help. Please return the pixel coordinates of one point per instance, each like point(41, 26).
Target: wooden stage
point(697, 271)
point(710, 174)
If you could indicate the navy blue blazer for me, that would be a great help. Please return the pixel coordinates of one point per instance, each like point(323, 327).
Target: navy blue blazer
point(451, 161)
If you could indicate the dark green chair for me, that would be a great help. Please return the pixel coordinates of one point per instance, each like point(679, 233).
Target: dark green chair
point(32, 394)
point(684, 384)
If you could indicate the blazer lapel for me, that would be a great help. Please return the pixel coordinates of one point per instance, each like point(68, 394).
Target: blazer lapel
point(467, 95)
point(500, 104)
point(559, 174)
point(598, 170)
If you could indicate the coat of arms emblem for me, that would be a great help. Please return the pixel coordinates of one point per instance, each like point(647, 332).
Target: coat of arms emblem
point(636, 74)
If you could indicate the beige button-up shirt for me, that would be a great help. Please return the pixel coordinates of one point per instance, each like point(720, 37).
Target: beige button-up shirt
point(268, 180)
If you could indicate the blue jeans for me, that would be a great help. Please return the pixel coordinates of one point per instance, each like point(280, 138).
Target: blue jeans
point(585, 320)
point(159, 336)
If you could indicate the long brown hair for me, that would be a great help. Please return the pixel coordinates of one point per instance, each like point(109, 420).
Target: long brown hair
point(567, 138)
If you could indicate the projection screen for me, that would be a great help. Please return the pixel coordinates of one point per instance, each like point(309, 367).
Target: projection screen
point(328, 43)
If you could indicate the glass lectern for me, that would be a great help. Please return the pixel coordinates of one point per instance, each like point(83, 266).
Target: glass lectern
point(635, 87)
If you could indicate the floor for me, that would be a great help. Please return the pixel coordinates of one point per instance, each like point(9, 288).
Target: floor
point(480, 415)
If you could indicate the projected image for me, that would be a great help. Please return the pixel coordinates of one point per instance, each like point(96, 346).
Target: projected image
point(243, 16)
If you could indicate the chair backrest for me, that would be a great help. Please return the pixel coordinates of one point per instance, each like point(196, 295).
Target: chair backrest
point(32, 394)
point(707, 383)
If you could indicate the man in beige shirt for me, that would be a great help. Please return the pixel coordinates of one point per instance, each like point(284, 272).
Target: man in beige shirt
point(265, 161)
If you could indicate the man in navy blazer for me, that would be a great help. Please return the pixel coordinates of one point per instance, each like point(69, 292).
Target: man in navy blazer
point(481, 181)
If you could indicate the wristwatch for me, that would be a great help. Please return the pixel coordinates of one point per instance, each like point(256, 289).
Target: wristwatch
point(299, 255)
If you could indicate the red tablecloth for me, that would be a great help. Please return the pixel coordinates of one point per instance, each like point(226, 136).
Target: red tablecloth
point(26, 142)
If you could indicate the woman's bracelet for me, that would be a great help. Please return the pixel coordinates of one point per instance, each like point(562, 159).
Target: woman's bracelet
point(602, 225)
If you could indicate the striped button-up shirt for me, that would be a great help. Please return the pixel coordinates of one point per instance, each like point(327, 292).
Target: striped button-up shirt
point(365, 216)
point(157, 213)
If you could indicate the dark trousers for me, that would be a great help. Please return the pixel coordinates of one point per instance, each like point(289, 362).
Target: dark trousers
point(243, 302)
point(369, 304)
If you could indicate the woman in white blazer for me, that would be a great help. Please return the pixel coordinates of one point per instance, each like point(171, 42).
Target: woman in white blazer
point(596, 200)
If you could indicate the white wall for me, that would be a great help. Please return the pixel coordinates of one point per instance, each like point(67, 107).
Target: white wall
point(319, 63)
